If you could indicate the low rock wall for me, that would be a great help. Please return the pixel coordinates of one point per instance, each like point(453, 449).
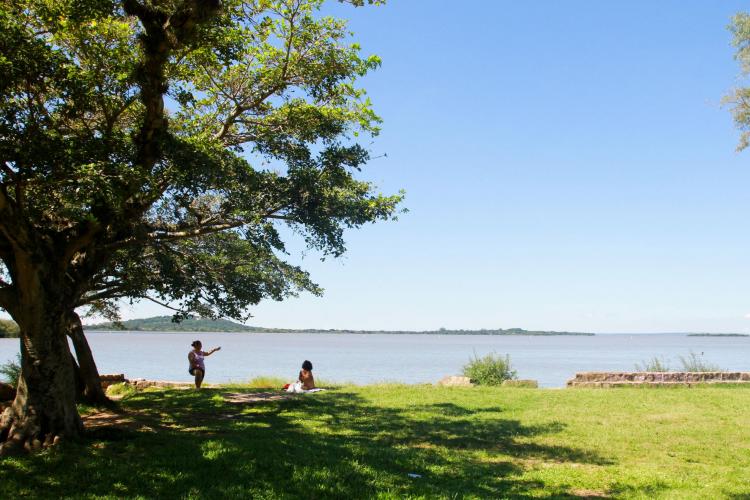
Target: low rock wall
point(138, 383)
point(108, 380)
point(624, 379)
point(8, 392)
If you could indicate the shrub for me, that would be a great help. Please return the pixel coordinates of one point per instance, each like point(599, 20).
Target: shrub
point(11, 371)
point(489, 370)
point(653, 365)
point(694, 363)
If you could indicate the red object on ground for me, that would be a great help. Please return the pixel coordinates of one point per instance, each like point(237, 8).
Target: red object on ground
point(286, 386)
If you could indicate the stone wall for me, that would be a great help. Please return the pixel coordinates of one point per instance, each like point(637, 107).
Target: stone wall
point(108, 380)
point(140, 383)
point(624, 379)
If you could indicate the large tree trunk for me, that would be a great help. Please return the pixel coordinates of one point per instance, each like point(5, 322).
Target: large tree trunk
point(44, 410)
point(89, 374)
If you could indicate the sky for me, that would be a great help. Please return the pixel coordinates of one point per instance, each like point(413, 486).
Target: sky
point(567, 166)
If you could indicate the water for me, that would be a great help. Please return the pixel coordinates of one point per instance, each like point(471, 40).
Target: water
point(404, 358)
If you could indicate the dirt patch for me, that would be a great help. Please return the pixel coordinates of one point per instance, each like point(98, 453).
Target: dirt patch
point(109, 425)
point(101, 421)
point(244, 398)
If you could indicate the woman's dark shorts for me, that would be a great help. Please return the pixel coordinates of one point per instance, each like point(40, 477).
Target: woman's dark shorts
point(191, 371)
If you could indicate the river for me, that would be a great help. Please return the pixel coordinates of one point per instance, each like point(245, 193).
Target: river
point(368, 358)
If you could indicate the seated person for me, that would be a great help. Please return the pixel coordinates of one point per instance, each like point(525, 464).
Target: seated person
point(306, 376)
point(305, 382)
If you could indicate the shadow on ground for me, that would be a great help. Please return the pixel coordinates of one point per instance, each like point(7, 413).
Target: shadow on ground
point(331, 445)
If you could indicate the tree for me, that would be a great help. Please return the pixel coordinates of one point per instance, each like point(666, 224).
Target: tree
point(152, 148)
point(739, 98)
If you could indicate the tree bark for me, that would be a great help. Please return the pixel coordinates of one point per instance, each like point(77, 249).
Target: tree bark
point(44, 410)
point(77, 380)
point(89, 374)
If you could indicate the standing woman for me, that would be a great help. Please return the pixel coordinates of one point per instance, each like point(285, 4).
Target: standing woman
point(197, 367)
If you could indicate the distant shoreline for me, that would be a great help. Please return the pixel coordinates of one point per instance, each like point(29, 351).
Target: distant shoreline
point(718, 335)
point(351, 332)
point(164, 324)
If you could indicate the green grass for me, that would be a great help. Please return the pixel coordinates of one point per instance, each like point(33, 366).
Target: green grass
point(120, 390)
point(263, 383)
point(363, 442)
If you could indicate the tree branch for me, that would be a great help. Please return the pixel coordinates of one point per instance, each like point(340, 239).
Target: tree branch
point(163, 304)
point(165, 235)
point(114, 292)
point(240, 108)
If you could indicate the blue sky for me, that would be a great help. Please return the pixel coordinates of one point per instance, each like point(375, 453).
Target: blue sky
point(568, 166)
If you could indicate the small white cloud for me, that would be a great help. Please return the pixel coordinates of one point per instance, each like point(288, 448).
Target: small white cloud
point(747, 316)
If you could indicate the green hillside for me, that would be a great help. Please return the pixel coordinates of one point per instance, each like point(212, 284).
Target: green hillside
point(165, 324)
point(8, 328)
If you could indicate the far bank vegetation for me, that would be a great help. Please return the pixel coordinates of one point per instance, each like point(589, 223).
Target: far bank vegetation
point(195, 324)
point(8, 328)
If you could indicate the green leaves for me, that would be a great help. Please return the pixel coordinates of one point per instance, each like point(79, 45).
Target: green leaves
point(739, 98)
point(154, 146)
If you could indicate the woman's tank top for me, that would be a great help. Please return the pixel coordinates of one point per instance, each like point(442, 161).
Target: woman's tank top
point(198, 359)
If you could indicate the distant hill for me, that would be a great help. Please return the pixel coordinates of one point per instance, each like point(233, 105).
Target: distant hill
point(8, 328)
point(165, 324)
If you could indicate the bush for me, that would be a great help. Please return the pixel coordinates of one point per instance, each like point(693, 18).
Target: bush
point(489, 370)
point(11, 371)
point(694, 363)
point(653, 365)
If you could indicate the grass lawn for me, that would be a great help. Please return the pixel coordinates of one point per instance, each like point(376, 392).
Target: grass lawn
point(364, 442)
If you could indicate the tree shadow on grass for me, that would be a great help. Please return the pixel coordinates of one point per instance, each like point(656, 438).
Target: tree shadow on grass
point(643, 491)
point(330, 445)
point(454, 410)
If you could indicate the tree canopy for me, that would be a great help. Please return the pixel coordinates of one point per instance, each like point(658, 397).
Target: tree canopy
point(157, 143)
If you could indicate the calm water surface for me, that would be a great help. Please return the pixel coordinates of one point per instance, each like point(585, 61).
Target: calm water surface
point(404, 358)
